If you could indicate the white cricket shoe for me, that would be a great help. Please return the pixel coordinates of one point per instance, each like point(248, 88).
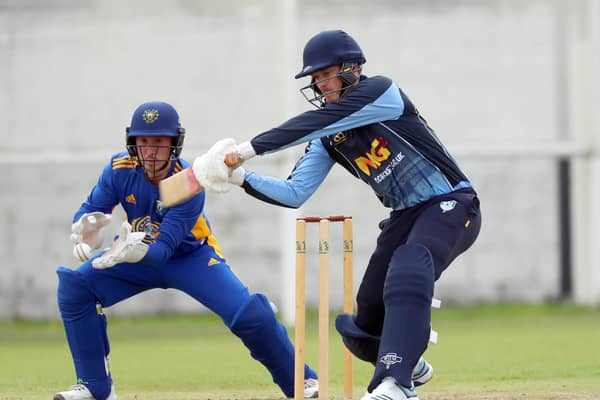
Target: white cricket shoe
point(422, 372)
point(388, 390)
point(81, 392)
point(311, 388)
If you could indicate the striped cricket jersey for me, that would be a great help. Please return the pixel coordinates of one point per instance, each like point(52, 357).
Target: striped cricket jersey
point(377, 134)
point(170, 232)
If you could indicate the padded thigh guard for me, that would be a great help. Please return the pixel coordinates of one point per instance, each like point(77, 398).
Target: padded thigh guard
point(86, 332)
point(268, 341)
point(407, 295)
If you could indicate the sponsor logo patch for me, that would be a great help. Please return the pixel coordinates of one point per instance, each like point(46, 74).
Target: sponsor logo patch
point(339, 137)
point(390, 359)
point(447, 205)
point(374, 157)
point(388, 170)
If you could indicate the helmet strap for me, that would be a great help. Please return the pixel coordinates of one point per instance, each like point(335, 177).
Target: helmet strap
point(130, 144)
point(348, 77)
point(347, 74)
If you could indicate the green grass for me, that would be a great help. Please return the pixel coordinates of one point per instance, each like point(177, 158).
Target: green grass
point(486, 352)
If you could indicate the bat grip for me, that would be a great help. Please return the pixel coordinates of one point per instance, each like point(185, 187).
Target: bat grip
point(233, 159)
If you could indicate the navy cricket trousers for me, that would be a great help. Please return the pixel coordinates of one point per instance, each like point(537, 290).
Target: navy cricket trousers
point(446, 225)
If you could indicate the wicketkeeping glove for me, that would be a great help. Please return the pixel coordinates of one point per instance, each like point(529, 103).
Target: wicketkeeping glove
point(127, 248)
point(85, 234)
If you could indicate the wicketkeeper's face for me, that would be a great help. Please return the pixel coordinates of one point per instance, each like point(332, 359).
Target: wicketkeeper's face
point(154, 153)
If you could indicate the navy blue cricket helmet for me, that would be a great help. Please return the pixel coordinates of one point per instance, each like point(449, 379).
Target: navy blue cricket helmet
point(155, 118)
point(329, 48)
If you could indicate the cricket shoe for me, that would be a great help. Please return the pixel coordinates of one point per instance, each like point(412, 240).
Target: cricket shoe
point(389, 390)
point(422, 372)
point(311, 388)
point(81, 392)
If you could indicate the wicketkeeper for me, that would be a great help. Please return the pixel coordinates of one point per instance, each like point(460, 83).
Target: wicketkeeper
point(156, 248)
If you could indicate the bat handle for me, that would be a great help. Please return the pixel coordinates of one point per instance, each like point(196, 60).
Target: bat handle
point(233, 159)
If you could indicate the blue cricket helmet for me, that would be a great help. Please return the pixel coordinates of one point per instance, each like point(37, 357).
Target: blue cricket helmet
point(329, 48)
point(155, 118)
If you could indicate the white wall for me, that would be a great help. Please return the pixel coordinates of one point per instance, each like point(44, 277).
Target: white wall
point(71, 74)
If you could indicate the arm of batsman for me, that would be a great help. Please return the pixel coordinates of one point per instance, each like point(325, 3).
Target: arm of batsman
point(242, 152)
point(211, 172)
point(210, 169)
point(237, 176)
point(127, 248)
point(233, 154)
point(218, 167)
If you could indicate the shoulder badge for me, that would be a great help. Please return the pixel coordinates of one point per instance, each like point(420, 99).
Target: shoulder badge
point(339, 137)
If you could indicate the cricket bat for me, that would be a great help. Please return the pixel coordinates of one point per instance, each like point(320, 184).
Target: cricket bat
point(183, 185)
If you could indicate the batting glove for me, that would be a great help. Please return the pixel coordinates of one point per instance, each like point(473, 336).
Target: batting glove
point(210, 169)
point(237, 176)
point(245, 151)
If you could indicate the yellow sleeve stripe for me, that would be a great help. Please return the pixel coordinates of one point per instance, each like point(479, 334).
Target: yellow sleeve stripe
point(202, 231)
point(177, 168)
point(212, 242)
point(124, 162)
point(116, 162)
point(125, 158)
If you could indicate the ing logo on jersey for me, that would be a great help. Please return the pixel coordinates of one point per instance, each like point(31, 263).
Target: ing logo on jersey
point(374, 157)
point(145, 224)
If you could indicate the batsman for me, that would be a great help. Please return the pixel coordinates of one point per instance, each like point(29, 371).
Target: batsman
point(370, 127)
point(156, 248)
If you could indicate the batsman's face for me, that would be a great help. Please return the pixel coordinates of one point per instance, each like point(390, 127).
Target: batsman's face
point(329, 83)
point(154, 152)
